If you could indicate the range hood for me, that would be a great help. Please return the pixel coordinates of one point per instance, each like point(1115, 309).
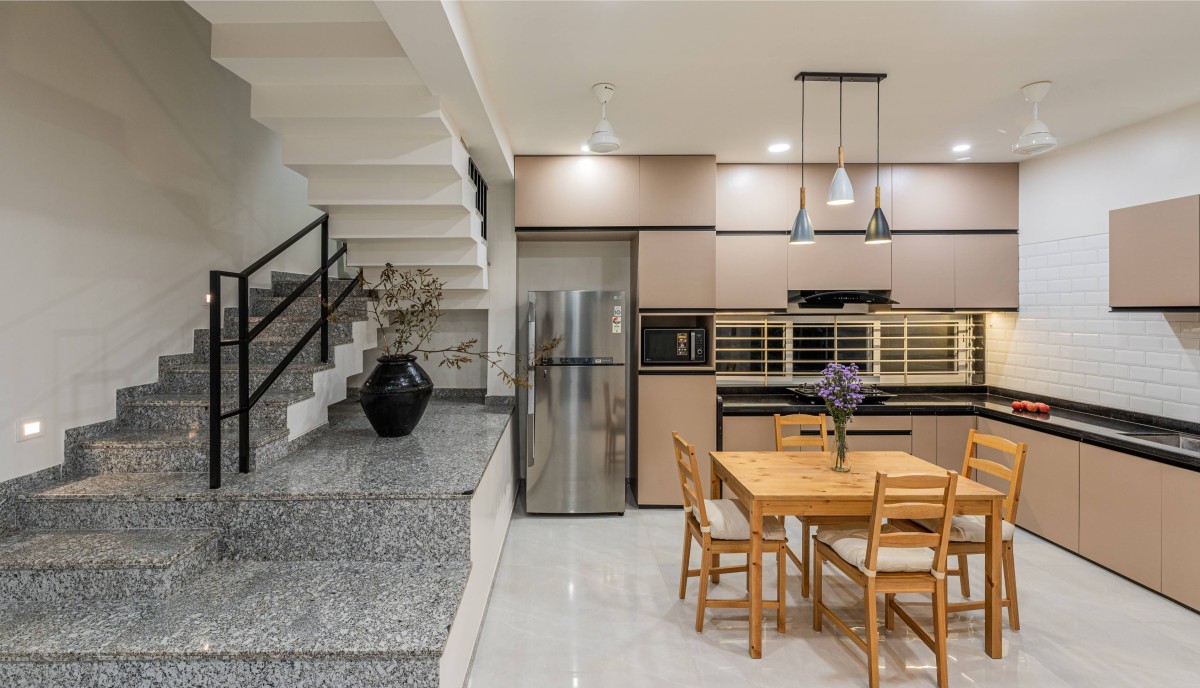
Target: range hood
point(838, 299)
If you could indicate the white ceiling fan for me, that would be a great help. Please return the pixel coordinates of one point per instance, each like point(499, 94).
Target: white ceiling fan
point(1036, 138)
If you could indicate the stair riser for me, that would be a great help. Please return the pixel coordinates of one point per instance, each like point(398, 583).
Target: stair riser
point(196, 381)
point(310, 309)
point(196, 417)
point(289, 328)
point(286, 530)
point(404, 672)
point(336, 287)
point(93, 460)
point(270, 354)
point(71, 585)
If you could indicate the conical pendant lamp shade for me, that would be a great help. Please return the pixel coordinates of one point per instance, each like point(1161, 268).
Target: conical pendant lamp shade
point(878, 230)
point(840, 191)
point(802, 228)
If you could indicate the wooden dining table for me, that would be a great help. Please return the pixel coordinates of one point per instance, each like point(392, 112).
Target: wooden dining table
point(768, 483)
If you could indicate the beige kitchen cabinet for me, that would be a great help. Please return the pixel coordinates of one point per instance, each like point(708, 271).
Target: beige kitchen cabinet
point(678, 191)
point(839, 261)
point(748, 433)
point(1180, 523)
point(923, 274)
point(686, 404)
point(954, 196)
point(985, 271)
point(887, 433)
point(1149, 242)
point(752, 271)
point(952, 434)
point(1050, 491)
point(677, 269)
point(1120, 513)
point(850, 217)
point(924, 438)
point(577, 191)
point(753, 198)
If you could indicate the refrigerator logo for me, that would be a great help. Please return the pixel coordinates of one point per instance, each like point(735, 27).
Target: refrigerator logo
point(616, 321)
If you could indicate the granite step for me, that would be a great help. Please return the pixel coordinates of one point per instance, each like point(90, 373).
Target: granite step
point(285, 287)
point(288, 325)
point(193, 378)
point(78, 565)
point(189, 412)
point(269, 350)
point(327, 624)
point(170, 451)
point(351, 309)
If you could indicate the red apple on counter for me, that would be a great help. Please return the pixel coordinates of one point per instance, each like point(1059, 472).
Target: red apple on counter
point(1043, 408)
point(1031, 407)
point(1018, 406)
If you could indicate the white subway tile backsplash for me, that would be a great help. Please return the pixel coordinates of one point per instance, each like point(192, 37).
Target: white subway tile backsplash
point(1065, 342)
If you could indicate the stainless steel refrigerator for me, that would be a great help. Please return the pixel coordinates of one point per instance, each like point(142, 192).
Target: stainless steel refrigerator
point(576, 420)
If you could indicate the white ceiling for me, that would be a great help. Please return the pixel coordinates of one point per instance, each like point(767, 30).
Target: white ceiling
point(716, 77)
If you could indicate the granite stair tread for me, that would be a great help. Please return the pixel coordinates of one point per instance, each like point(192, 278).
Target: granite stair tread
point(232, 368)
point(252, 611)
point(149, 437)
point(169, 399)
point(100, 549)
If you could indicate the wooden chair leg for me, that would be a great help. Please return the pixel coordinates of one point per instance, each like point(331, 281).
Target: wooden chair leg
point(806, 549)
point(687, 561)
point(872, 628)
point(716, 559)
point(781, 613)
point(1010, 587)
point(939, 633)
point(704, 560)
point(964, 576)
point(889, 616)
point(816, 592)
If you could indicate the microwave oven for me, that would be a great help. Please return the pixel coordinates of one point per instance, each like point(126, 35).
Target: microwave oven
point(673, 345)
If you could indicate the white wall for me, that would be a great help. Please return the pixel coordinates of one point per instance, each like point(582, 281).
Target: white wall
point(1064, 342)
point(502, 280)
point(129, 168)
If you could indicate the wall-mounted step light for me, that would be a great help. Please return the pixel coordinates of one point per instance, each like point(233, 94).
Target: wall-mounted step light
point(29, 429)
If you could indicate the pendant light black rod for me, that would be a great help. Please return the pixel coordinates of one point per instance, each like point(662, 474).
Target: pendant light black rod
point(802, 89)
point(839, 113)
point(877, 111)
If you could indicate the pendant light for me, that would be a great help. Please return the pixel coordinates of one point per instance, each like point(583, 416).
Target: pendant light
point(802, 228)
point(878, 231)
point(840, 191)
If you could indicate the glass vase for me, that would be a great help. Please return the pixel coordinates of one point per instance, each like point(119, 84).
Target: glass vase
point(838, 457)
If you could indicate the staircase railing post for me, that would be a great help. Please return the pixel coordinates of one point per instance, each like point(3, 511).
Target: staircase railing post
point(244, 373)
point(215, 323)
point(325, 290)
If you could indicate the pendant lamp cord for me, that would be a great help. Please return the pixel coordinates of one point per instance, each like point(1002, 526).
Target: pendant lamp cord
point(803, 83)
point(877, 111)
point(839, 112)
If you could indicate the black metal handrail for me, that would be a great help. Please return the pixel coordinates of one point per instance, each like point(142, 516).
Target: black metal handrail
point(217, 342)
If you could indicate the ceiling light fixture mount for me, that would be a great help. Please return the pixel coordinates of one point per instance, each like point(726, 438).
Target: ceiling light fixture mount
point(603, 139)
point(841, 192)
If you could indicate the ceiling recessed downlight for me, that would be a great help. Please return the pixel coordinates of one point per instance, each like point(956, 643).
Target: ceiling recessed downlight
point(585, 148)
point(779, 147)
point(961, 148)
point(962, 159)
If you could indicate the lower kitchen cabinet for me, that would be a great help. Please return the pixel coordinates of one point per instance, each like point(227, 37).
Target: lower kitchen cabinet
point(952, 434)
point(1180, 523)
point(924, 438)
point(877, 433)
point(1050, 492)
point(672, 403)
point(1120, 517)
point(748, 433)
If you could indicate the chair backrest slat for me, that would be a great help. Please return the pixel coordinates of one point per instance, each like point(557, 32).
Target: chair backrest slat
point(782, 442)
point(936, 502)
point(929, 540)
point(913, 510)
point(689, 479)
point(973, 464)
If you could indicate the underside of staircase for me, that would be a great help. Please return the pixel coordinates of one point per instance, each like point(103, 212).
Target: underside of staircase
point(339, 560)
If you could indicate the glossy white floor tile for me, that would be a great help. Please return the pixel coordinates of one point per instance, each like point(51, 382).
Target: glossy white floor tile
point(592, 602)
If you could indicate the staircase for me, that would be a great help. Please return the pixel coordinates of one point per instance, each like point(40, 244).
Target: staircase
point(340, 560)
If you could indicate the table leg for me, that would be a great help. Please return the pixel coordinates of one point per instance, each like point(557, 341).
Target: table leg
point(755, 583)
point(993, 641)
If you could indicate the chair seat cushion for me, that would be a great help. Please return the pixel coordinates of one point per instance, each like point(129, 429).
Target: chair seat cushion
point(726, 522)
point(970, 528)
point(851, 544)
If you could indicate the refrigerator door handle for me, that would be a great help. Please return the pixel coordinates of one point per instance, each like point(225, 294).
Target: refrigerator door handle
point(530, 362)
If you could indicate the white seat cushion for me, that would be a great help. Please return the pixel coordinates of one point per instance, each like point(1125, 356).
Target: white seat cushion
point(726, 522)
point(970, 528)
point(851, 545)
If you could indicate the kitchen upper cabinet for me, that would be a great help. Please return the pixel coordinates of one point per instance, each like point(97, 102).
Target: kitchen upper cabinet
point(839, 261)
point(1050, 490)
point(851, 217)
point(577, 191)
point(677, 269)
point(678, 191)
point(673, 403)
point(923, 274)
point(1120, 514)
point(1180, 523)
point(986, 267)
point(754, 198)
point(752, 271)
point(1148, 242)
point(953, 196)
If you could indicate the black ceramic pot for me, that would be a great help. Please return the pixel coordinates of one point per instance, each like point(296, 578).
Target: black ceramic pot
point(395, 395)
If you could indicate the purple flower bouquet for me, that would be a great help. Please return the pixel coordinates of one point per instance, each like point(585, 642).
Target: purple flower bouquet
point(841, 388)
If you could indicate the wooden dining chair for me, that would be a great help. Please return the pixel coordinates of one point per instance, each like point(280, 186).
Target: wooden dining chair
point(820, 442)
point(968, 533)
point(882, 559)
point(719, 527)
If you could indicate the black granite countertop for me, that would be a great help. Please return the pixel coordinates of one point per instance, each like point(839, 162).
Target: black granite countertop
point(1073, 421)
